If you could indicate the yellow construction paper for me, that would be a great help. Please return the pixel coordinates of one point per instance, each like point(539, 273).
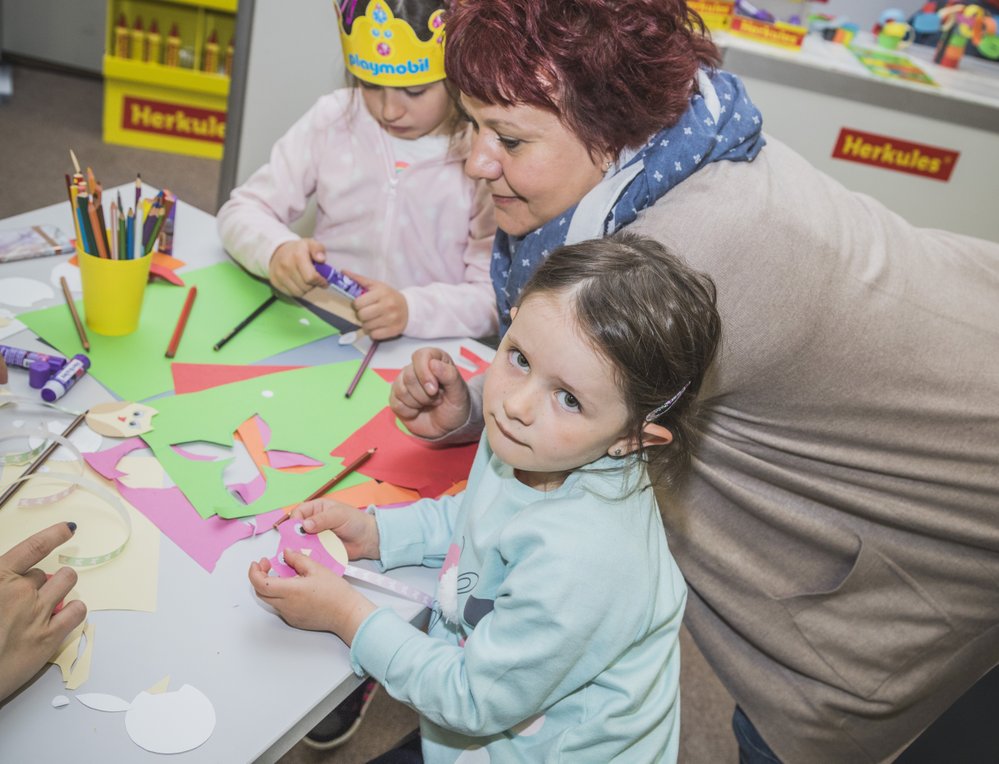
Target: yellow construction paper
point(128, 582)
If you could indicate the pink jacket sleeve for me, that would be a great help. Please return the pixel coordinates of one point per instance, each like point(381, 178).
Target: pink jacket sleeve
point(254, 221)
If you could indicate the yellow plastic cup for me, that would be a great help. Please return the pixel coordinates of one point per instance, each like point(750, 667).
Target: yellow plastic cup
point(112, 292)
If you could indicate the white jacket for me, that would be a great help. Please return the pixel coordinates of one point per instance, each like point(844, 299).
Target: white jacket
point(426, 230)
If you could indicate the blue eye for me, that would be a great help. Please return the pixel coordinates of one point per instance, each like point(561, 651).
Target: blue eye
point(568, 401)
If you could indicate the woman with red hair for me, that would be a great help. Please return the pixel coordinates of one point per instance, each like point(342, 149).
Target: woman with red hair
point(838, 531)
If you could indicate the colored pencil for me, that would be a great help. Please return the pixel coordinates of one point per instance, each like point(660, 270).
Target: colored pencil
point(114, 231)
point(130, 234)
point(101, 223)
point(181, 322)
point(71, 191)
point(360, 370)
point(89, 242)
point(42, 457)
point(325, 487)
point(138, 189)
point(76, 163)
point(243, 324)
point(76, 316)
point(95, 225)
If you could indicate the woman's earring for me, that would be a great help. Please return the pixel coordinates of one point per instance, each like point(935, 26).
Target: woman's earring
point(608, 163)
point(617, 452)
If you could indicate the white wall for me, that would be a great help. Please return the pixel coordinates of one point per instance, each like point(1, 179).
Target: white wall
point(66, 32)
point(294, 57)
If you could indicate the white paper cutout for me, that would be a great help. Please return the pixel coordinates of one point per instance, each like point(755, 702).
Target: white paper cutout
point(162, 722)
point(100, 701)
point(9, 325)
point(60, 701)
point(72, 275)
point(172, 722)
point(23, 293)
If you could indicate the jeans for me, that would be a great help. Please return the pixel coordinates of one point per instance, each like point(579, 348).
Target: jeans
point(753, 749)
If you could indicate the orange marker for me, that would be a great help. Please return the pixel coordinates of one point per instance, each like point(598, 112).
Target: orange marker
point(181, 322)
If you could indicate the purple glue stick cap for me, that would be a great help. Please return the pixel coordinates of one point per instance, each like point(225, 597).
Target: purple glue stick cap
point(39, 373)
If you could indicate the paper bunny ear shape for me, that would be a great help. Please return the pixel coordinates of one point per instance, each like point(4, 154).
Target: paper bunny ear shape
point(167, 722)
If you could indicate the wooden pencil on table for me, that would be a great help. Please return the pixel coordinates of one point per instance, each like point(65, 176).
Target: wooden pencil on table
point(364, 365)
point(178, 332)
point(76, 316)
point(325, 487)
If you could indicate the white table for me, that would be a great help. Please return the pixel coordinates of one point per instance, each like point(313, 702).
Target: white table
point(269, 683)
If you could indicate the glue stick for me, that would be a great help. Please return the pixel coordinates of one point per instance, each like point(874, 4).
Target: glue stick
point(65, 378)
point(121, 37)
point(153, 43)
point(138, 41)
point(172, 57)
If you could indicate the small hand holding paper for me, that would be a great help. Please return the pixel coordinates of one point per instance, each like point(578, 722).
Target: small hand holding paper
point(316, 599)
point(356, 529)
point(382, 309)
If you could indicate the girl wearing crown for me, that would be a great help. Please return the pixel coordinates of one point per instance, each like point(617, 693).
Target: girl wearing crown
point(385, 161)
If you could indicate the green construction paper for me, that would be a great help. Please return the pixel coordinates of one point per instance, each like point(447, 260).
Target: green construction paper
point(134, 367)
point(305, 410)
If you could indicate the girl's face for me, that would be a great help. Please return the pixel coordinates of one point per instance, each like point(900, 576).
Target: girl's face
point(551, 401)
point(534, 166)
point(408, 113)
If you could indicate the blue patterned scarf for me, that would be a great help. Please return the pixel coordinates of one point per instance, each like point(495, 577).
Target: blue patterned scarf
point(721, 124)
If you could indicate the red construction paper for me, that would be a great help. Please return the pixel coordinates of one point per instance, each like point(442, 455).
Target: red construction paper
point(406, 461)
point(194, 377)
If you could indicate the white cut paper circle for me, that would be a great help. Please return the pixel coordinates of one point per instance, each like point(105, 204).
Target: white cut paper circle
point(170, 722)
point(23, 293)
point(100, 701)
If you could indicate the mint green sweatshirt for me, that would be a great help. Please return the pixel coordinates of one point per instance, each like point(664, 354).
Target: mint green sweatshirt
point(555, 634)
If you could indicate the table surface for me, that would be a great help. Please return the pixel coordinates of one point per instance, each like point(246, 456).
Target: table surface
point(966, 95)
point(269, 683)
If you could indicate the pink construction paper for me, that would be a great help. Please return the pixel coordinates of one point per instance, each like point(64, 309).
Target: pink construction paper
point(294, 537)
point(170, 511)
point(194, 377)
point(404, 460)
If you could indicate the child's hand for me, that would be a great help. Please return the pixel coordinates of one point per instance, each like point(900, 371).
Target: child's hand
point(429, 395)
point(316, 599)
point(382, 309)
point(291, 270)
point(356, 529)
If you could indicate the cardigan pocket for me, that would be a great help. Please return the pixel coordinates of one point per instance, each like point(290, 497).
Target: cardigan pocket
point(873, 624)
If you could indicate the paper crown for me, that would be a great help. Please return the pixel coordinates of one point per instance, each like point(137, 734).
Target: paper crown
point(384, 50)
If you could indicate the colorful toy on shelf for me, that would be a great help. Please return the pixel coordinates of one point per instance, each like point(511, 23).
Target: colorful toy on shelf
point(961, 24)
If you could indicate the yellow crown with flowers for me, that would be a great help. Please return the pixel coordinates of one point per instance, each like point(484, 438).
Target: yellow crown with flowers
point(384, 50)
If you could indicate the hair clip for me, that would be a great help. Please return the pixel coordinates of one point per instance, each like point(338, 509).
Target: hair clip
point(660, 410)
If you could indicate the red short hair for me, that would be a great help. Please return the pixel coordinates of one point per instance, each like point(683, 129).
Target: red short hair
point(614, 71)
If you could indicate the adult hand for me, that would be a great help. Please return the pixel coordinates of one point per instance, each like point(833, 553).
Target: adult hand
point(356, 529)
point(382, 309)
point(30, 632)
point(316, 599)
point(291, 270)
point(429, 395)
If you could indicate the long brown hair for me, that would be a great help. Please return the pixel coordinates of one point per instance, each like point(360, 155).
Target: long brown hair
point(653, 318)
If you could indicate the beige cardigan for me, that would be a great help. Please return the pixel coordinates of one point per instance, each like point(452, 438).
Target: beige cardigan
point(839, 531)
